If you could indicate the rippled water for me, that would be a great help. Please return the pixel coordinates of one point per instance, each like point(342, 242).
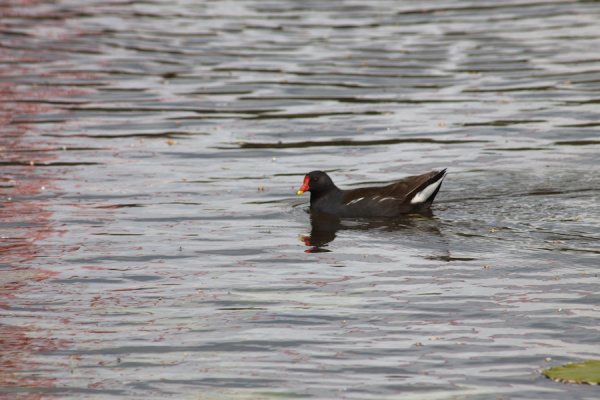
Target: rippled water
point(153, 246)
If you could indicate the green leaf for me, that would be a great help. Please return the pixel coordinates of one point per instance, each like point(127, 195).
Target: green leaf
point(585, 372)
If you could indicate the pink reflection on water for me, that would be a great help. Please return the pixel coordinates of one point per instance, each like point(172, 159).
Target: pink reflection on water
point(25, 218)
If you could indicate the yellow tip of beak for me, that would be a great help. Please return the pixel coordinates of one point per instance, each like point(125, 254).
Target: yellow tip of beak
point(299, 192)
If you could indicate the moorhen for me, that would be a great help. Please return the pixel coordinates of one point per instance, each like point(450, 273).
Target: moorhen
point(410, 195)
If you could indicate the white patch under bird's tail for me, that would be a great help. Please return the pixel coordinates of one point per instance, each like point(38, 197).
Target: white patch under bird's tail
point(424, 194)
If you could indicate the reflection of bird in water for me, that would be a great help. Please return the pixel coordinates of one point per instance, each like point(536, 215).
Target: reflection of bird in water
point(324, 228)
point(410, 195)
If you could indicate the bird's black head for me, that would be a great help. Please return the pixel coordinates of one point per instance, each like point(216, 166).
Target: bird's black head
point(315, 182)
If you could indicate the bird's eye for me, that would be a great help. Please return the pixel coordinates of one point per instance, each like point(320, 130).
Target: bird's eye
point(315, 179)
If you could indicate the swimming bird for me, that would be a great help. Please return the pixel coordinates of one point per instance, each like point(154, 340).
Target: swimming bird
point(410, 195)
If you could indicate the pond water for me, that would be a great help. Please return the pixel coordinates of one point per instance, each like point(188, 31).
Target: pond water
point(152, 245)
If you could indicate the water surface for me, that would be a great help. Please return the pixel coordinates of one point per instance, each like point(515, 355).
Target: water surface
point(153, 246)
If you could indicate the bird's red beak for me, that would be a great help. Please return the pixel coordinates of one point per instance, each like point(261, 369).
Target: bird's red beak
point(304, 187)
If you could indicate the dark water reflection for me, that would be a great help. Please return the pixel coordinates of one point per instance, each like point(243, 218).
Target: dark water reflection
point(324, 228)
point(149, 231)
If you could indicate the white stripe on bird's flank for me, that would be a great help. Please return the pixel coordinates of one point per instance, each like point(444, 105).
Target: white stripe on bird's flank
point(424, 194)
point(386, 198)
point(355, 201)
